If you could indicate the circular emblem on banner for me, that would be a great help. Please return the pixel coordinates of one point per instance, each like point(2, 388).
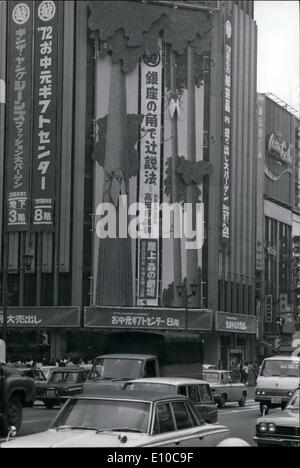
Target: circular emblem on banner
point(152, 60)
point(47, 11)
point(21, 13)
point(228, 29)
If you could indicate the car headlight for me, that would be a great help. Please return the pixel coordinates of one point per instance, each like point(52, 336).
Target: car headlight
point(271, 428)
point(258, 392)
point(290, 393)
point(263, 393)
point(262, 427)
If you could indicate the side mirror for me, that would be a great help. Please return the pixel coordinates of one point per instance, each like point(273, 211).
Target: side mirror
point(12, 432)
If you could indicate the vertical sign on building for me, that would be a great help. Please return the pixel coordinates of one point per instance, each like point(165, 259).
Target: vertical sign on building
point(18, 149)
point(226, 186)
point(260, 182)
point(45, 103)
point(151, 102)
point(268, 308)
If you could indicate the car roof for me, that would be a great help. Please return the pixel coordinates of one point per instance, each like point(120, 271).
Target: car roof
point(170, 381)
point(128, 356)
point(68, 369)
point(134, 396)
point(213, 371)
point(283, 358)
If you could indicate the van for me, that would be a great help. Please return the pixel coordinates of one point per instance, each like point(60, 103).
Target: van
point(278, 377)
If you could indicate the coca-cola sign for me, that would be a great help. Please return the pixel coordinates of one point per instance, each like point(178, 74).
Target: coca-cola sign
point(280, 148)
point(279, 156)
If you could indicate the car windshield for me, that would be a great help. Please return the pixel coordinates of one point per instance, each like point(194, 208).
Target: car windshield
point(294, 403)
point(280, 368)
point(211, 376)
point(113, 368)
point(63, 377)
point(150, 387)
point(104, 414)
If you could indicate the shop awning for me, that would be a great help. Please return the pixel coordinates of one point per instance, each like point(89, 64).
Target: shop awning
point(148, 318)
point(43, 317)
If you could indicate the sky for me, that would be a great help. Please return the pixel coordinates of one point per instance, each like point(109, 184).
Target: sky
point(278, 49)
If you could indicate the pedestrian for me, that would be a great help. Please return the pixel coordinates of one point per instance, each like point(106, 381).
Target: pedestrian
point(245, 373)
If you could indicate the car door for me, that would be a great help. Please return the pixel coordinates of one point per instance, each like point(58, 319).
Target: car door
point(236, 387)
point(207, 404)
point(177, 426)
point(193, 394)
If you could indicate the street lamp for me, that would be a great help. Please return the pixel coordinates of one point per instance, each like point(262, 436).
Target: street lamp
point(27, 260)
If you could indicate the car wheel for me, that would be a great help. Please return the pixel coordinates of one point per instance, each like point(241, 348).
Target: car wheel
point(263, 408)
point(12, 416)
point(242, 401)
point(222, 401)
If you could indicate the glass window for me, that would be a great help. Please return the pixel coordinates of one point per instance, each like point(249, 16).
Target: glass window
point(182, 390)
point(224, 378)
point(105, 414)
point(280, 368)
point(182, 415)
point(205, 393)
point(150, 369)
point(211, 376)
point(164, 421)
point(193, 393)
point(150, 387)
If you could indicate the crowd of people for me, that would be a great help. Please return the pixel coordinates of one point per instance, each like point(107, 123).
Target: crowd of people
point(67, 361)
point(246, 372)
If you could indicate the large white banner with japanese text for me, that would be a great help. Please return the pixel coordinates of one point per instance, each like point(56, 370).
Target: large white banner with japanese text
point(149, 194)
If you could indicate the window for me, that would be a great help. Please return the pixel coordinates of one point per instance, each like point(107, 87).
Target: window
point(193, 393)
point(224, 379)
point(182, 390)
point(163, 419)
point(150, 369)
point(182, 415)
point(204, 392)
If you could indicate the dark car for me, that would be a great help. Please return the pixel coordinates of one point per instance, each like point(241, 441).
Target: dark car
point(198, 391)
point(16, 391)
point(63, 383)
point(282, 428)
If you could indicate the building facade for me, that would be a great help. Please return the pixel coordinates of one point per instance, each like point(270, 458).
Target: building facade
point(150, 105)
point(277, 235)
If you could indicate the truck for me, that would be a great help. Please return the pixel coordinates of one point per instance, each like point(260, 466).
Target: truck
point(136, 354)
point(16, 391)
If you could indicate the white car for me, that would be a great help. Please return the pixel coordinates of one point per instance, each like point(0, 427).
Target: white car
point(225, 387)
point(122, 420)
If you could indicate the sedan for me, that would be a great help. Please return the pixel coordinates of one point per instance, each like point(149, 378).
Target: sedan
point(225, 387)
point(63, 383)
point(196, 390)
point(282, 429)
point(123, 420)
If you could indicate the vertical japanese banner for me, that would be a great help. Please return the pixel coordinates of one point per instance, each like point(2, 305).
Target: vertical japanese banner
point(261, 145)
point(149, 197)
point(226, 186)
point(19, 92)
point(45, 121)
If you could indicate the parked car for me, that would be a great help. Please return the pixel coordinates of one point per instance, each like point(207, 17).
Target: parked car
point(122, 420)
point(276, 382)
point(63, 383)
point(282, 429)
point(196, 390)
point(225, 387)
